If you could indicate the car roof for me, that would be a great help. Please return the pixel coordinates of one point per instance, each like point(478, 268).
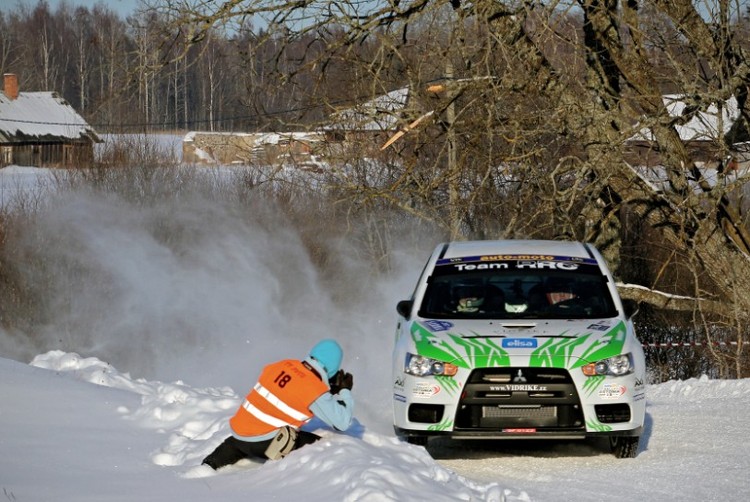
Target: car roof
point(457, 249)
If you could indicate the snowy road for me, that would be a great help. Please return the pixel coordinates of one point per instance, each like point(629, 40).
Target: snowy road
point(695, 448)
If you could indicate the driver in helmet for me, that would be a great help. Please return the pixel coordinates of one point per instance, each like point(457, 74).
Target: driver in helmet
point(559, 290)
point(288, 394)
point(470, 299)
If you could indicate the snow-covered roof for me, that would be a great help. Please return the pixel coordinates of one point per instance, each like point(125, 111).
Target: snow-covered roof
point(41, 116)
point(702, 126)
point(379, 114)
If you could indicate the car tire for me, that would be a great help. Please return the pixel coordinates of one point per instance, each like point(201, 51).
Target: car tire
point(624, 446)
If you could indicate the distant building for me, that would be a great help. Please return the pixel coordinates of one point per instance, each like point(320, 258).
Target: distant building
point(372, 122)
point(365, 126)
point(226, 148)
point(378, 115)
point(701, 131)
point(41, 129)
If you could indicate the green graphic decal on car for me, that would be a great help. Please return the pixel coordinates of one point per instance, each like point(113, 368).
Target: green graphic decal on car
point(592, 383)
point(609, 345)
point(430, 345)
point(442, 426)
point(463, 352)
point(597, 426)
point(483, 353)
point(556, 352)
point(448, 383)
point(561, 353)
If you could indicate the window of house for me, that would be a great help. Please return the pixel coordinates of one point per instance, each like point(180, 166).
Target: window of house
point(6, 155)
point(67, 159)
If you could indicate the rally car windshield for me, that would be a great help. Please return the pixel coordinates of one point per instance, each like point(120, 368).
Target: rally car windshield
point(510, 289)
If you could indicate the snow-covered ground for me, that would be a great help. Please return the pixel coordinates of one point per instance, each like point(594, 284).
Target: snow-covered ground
point(174, 333)
point(21, 185)
point(76, 429)
point(169, 145)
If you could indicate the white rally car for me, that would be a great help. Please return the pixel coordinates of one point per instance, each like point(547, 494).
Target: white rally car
point(518, 339)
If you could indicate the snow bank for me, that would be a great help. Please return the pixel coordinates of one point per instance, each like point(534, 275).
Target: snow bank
point(699, 390)
point(359, 466)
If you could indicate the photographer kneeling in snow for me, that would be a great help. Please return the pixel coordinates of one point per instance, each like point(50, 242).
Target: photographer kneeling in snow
point(288, 394)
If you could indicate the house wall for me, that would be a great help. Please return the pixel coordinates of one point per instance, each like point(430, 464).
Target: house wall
point(47, 154)
point(217, 149)
point(246, 148)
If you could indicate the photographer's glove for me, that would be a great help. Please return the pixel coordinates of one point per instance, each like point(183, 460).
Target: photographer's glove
point(347, 382)
point(341, 380)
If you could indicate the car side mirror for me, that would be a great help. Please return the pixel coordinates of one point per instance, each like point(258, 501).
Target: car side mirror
point(631, 308)
point(404, 308)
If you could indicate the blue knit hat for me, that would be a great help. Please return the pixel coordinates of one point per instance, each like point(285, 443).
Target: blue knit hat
point(328, 353)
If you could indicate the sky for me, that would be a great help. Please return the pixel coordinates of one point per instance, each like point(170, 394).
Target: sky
point(122, 7)
point(132, 384)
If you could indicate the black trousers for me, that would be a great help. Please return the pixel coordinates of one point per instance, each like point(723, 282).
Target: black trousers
point(232, 449)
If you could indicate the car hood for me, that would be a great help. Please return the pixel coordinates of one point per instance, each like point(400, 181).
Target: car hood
point(549, 343)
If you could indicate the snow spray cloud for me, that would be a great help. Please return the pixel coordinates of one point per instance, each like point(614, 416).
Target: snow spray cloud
point(192, 289)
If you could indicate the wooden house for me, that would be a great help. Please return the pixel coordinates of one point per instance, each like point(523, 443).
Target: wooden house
point(41, 129)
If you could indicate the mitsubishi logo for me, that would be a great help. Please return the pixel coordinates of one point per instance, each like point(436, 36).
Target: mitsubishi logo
point(519, 378)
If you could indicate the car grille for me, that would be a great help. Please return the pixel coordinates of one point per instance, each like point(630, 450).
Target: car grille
point(529, 398)
point(526, 411)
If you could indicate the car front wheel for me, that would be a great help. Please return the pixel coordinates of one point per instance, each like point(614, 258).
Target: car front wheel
point(624, 446)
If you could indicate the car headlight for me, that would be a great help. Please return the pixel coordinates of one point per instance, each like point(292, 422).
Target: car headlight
point(424, 366)
point(613, 366)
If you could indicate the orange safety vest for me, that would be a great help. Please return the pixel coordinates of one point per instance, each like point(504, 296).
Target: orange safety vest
point(282, 396)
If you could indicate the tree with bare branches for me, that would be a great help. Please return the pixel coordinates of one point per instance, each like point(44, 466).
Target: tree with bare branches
point(534, 122)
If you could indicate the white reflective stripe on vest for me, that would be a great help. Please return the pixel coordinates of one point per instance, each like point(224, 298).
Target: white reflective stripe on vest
point(263, 417)
point(281, 405)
